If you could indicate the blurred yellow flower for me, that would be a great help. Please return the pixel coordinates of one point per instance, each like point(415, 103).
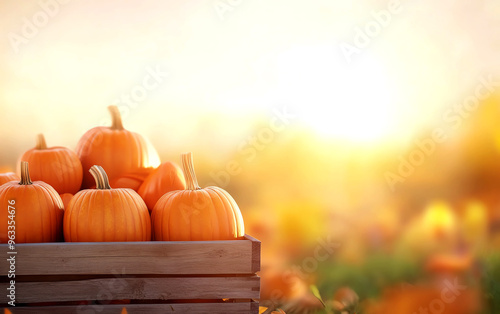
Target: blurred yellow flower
point(475, 225)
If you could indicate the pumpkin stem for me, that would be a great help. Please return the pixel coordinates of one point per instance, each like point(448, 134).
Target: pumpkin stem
point(40, 142)
point(188, 169)
point(100, 177)
point(25, 174)
point(116, 118)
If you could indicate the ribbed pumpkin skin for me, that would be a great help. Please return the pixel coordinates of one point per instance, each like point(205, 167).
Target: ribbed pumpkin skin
point(132, 180)
point(197, 215)
point(7, 177)
point(166, 178)
point(39, 212)
point(119, 151)
point(57, 166)
point(114, 215)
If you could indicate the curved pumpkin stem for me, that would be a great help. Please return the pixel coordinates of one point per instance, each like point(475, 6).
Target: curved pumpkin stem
point(25, 174)
point(100, 177)
point(40, 142)
point(116, 118)
point(188, 169)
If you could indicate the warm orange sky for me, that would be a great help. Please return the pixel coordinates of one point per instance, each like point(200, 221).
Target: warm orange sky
point(222, 62)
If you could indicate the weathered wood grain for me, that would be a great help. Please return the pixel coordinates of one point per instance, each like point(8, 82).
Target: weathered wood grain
point(256, 247)
point(171, 288)
point(196, 257)
point(191, 308)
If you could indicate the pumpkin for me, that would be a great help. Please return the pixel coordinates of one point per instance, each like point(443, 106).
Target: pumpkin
point(281, 285)
point(36, 208)
point(57, 166)
point(7, 177)
point(66, 198)
point(105, 214)
point(167, 177)
point(195, 213)
point(132, 180)
point(119, 151)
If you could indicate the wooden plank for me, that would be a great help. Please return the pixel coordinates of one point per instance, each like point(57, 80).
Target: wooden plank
point(195, 257)
point(169, 288)
point(122, 249)
point(256, 248)
point(192, 308)
point(46, 278)
point(235, 264)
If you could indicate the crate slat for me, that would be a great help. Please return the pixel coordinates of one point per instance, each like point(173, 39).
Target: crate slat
point(256, 248)
point(123, 249)
point(196, 257)
point(133, 265)
point(136, 289)
point(192, 308)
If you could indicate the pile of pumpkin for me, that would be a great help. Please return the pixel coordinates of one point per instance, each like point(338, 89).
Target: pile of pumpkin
point(108, 190)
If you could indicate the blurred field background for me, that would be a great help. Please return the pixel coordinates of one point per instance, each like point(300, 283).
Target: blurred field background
point(373, 171)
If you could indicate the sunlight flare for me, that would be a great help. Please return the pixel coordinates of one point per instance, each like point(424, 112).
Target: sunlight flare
point(339, 100)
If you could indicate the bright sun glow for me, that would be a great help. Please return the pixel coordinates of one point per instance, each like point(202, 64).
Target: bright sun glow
point(336, 99)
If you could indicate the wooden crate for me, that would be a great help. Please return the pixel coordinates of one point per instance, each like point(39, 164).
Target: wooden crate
point(157, 277)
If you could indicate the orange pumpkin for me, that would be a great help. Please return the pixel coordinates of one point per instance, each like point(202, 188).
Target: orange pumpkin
point(36, 208)
point(116, 149)
point(281, 285)
point(66, 198)
point(132, 180)
point(7, 177)
point(58, 166)
point(105, 214)
point(196, 213)
point(167, 177)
